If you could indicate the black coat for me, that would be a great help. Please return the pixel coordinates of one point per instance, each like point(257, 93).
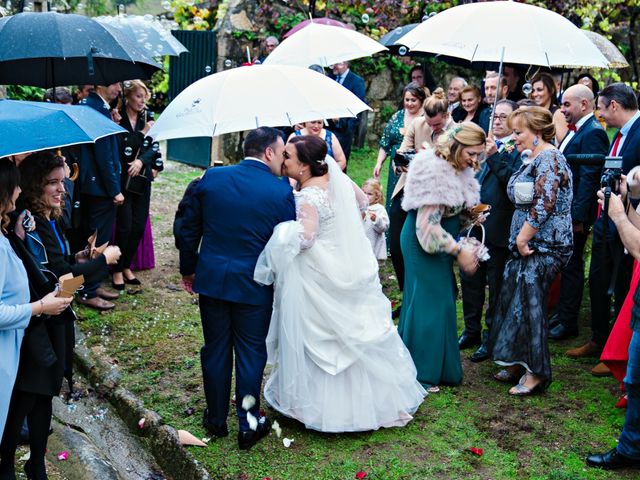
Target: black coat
point(590, 138)
point(493, 177)
point(134, 145)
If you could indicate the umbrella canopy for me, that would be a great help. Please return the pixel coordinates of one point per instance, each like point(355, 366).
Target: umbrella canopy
point(389, 39)
point(320, 21)
point(323, 45)
point(34, 126)
point(608, 49)
point(148, 32)
point(481, 32)
point(248, 97)
point(50, 49)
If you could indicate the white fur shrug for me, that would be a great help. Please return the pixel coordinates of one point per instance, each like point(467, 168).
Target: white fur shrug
point(434, 181)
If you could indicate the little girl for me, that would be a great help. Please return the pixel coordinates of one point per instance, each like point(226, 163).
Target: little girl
point(375, 219)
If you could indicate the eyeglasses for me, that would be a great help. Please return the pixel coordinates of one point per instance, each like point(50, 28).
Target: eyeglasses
point(502, 117)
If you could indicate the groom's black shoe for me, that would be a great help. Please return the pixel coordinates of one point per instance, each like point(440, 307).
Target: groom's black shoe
point(480, 355)
point(215, 430)
point(612, 460)
point(248, 439)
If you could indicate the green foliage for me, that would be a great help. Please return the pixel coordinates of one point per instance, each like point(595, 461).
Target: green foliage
point(23, 92)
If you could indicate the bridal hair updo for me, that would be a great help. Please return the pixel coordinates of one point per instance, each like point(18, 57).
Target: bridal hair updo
point(312, 151)
point(450, 144)
point(537, 119)
point(9, 181)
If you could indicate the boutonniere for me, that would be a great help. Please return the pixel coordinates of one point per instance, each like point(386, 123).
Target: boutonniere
point(510, 146)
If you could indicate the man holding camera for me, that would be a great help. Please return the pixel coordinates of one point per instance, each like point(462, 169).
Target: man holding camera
point(585, 136)
point(618, 107)
point(627, 453)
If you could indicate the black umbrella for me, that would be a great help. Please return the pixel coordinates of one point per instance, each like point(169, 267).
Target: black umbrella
point(390, 38)
point(50, 49)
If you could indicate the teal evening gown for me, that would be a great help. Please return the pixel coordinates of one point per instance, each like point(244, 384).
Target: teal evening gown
point(428, 318)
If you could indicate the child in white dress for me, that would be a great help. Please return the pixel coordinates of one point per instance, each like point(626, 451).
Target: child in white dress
point(375, 218)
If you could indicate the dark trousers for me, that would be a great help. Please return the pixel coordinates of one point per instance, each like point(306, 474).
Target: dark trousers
point(599, 279)
point(131, 220)
point(98, 214)
point(345, 137)
point(233, 328)
point(629, 442)
point(473, 291)
point(572, 284)
point(397, 216)
point(37, 409)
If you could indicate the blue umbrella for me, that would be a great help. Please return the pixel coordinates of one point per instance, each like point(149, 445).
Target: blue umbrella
point(32, 126)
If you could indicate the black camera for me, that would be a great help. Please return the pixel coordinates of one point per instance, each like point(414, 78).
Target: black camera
point(402, 159)
point(611, 173)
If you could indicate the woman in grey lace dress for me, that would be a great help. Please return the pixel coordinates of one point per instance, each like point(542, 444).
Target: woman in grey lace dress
point(541, 241)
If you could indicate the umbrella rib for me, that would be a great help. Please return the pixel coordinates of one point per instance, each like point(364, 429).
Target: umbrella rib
point(475, 50)
point(546, 55)
point(289, 118)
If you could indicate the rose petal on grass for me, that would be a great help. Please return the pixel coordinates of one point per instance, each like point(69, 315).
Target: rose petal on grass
point(253, 421)
point(477, 451)
point(287, 442)
point(63, 456)
point(141, 422)
point(361, 474)
point(248, 402)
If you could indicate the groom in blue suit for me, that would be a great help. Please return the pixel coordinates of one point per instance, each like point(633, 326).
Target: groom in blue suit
point(232, 216)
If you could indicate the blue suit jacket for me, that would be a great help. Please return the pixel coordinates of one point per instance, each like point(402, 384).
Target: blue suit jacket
point(355, 84)
point(590, 138)
point(100, 162)
point(230, 218)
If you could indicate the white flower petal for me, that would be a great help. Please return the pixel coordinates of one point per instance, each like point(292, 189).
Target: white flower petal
point(248, 402)
point(276, 427)
point(287, 442)
point(253, 421)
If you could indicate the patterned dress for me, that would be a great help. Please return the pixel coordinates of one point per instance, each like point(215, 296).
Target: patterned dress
point(390, 142)
point(542, 193)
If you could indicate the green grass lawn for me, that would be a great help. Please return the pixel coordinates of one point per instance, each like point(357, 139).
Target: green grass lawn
point(156, 336)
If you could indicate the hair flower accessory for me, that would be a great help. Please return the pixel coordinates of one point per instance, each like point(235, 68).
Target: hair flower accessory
point(453, 132)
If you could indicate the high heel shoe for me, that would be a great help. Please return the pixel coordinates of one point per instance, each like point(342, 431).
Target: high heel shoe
point(132, 281)
point(117, 286)
point(622, 403)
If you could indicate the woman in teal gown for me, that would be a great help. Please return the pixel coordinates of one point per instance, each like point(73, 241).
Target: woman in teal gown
point(440, 189)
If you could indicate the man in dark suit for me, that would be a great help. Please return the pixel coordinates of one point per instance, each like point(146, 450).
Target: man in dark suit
point(585, 136)
point(100, 193)
point(618, 107)
point(490, 92)
point(503, 159)
point(626, 454)
point(344, 128)
point(231, 216)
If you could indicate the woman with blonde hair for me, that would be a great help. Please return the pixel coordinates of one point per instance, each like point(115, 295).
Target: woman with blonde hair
point(421, 134)
point(541, 242)
point(441, 188)
point(141, 161)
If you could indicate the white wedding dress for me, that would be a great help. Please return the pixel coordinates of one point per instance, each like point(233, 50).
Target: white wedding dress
point(338, 363)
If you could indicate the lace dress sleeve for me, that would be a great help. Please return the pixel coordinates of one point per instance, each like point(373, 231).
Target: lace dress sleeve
point(361, 198)
point(307, 216)
point(432, 237)
point(545, 189)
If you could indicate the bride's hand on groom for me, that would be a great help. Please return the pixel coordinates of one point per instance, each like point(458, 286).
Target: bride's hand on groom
point(187, 283)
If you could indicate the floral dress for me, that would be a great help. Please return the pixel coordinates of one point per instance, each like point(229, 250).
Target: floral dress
point(542, 193)
point(390, 142)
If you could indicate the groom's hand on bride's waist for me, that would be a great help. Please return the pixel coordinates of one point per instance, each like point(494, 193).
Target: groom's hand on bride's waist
point(187, 283)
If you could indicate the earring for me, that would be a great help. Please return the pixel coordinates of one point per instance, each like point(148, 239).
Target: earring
point(301, 172)
point(536, 141)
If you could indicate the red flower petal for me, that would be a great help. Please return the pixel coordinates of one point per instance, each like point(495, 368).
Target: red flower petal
point(476, 451)
point(361, 474)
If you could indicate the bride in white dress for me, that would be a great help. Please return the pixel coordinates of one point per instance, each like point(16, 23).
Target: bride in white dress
point(338, 364)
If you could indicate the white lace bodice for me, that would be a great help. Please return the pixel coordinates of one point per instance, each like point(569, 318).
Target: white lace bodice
point(314, 212)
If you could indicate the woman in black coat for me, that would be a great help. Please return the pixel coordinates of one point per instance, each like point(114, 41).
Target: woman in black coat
point(45, 356)
point(141, 160)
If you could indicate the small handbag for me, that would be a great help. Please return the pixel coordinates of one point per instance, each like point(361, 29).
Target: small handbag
point(136, 185)
point(479, 248)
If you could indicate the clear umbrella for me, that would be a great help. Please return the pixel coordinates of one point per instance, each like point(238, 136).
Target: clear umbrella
point(323, 45)
point(253, 96)
point(148, 32)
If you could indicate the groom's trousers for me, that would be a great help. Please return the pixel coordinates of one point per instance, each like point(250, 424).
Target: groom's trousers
point(233, 328)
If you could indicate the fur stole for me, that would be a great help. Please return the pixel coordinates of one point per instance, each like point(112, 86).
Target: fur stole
point(434, 181)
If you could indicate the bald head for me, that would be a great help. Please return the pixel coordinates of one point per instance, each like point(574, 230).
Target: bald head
point(577, 102)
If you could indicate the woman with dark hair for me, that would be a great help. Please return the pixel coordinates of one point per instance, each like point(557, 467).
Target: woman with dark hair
point(141, 162)
point(413, 96)
point(16, 312)
point(39, 378)
point(338, 362)
point(541, 242)
point(545, 94)
point(589, 81)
